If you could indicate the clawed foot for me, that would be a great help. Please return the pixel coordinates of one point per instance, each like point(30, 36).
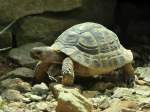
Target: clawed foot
point(67, 80)
point(130, 81)
point(52, 78)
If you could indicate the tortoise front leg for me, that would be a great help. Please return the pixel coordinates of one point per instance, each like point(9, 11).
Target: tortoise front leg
point(129, 76)
point(67, 72)
point(40, 72)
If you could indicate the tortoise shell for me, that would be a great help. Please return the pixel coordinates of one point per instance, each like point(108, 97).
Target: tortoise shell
point(93, 45)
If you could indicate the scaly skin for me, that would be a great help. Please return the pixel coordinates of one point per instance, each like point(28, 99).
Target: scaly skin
point(67, 72)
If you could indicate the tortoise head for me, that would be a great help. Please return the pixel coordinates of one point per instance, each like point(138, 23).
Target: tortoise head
point(45, 53)
point(40, 53)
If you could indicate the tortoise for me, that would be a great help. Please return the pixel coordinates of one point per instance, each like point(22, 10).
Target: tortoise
point(86, 49)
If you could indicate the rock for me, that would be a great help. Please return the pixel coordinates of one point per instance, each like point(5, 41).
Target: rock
point(21, 72)
point(33, 97)
point(101, 102)
point(143, 72)
point(68, 102)
point(50, 97)
point(40, 89)
point(57, 88)
point(89, 94)
point(9, 109)
point(12, 95)
point(70, 99)
point(2, 103)
point(1, 100)
point(126, 94)
point(21, 55)
point(139, 81)
point(42, 106)
point(123, 92)
point(12, 10)
point(143, 91)
point(38, 92)
point(6, 37)
point(16, 84)
point(47, 27)
point(145, 100)
point(144, 107)
point(16, 107)
point(139, 94)
point(122, 106)
point(42, 29)
point(16, 104)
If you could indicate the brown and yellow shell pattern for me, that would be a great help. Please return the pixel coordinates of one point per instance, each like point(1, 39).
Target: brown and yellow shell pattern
point(93, 45)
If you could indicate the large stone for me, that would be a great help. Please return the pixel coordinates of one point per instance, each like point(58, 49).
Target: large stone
point(123, 92)
point(40, 89)
point(41, 29)
point(15, 107)
point(145, 100)
point(42, 106)
point(21, 55)
point(12, 95)
point(2, 103)
point(143, 72)
point(20, 72)
point(33, 97)
point(46, 28)
point(68, 102)
point(16, 84)
point(70, 99)
point(122, 106)
point(90, 94)
point(101, 102)
point(14, 9)
point(142, 90)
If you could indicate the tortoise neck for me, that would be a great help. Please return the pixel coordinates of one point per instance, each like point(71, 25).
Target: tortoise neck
point(59, 57)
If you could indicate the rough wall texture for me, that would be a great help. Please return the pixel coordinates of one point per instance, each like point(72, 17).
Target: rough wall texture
point(14, 9)
point(43, 29)
point(45, 20)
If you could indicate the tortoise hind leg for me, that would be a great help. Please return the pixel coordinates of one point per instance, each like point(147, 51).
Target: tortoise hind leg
point(67, 72)
point(129, 76)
